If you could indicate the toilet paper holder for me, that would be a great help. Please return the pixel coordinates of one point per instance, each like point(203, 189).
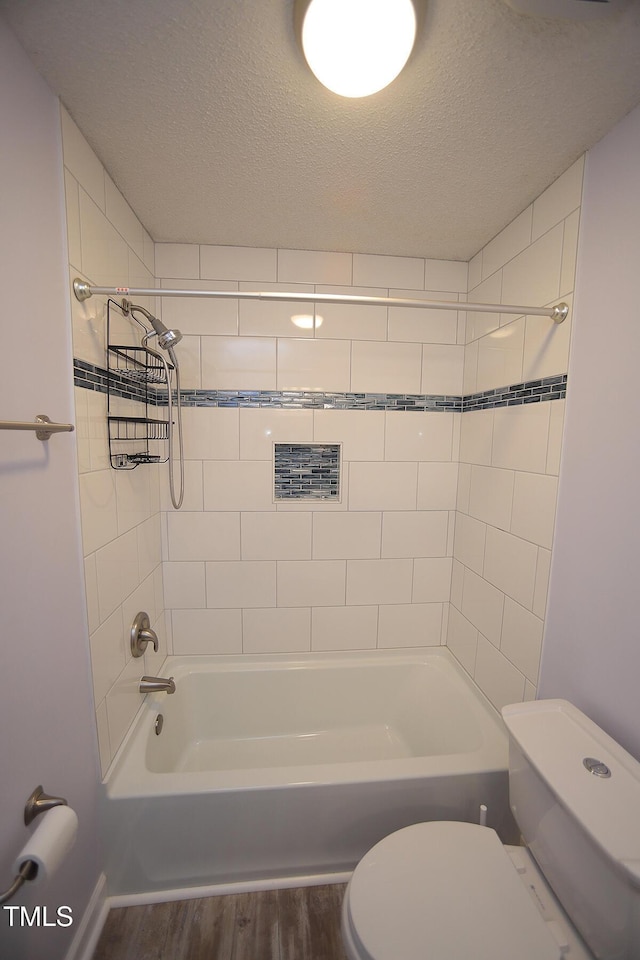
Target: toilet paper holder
point(38, 802)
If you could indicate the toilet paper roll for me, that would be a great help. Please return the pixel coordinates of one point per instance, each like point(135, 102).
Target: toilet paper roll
point(50, 842)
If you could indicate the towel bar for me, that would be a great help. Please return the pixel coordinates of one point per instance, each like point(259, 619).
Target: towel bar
point(42, 426)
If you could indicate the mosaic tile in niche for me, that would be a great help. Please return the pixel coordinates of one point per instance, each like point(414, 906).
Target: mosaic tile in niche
point(307, 471)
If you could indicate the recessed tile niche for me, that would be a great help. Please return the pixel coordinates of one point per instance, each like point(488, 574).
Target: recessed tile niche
point(307, 471)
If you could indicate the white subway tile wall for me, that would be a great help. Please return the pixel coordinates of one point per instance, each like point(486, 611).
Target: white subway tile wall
point(510, 455)
point(444, 527)
point(120, 511)
point(314, 575)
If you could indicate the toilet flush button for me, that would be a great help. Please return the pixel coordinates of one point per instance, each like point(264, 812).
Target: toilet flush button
point(596, 767)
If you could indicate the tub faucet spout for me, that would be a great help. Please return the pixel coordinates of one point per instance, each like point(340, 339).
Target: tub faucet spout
point(157, 684)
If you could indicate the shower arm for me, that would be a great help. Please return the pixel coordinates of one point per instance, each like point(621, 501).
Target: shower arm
point(557, 313)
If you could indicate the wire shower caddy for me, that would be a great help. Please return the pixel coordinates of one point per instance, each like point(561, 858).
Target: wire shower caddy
point(135, 375)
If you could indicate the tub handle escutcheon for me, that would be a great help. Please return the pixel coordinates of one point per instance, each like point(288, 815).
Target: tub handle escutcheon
point(142, 634)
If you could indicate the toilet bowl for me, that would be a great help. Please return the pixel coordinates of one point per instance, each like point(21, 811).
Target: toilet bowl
point(448, 890)
point(452, 891)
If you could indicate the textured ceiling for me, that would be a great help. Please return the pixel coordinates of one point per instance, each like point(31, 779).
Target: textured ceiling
point(209, 121)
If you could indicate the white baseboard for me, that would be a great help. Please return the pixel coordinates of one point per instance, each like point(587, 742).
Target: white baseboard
point(91, 924)
point(221, 889)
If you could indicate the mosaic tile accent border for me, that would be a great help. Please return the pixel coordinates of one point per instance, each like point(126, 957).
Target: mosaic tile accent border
point(306, 471)
point(91, 377)
point(318, 400)
point(531, 391)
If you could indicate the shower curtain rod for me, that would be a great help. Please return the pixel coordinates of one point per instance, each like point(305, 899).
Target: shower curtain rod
point(557, 313)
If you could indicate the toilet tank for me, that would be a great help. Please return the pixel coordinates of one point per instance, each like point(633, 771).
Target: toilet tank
point(575, 794)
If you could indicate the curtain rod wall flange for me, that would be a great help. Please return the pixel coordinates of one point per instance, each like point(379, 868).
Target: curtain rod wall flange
point(557, 313)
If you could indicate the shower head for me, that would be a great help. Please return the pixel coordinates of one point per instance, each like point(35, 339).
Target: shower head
point(166, 338)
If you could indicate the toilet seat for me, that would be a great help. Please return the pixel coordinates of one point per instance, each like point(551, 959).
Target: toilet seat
point(442, 891)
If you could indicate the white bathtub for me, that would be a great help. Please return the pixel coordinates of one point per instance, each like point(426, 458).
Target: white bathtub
point(273, 767)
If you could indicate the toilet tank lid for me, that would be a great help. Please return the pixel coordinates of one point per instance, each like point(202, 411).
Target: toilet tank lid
point(557, 738)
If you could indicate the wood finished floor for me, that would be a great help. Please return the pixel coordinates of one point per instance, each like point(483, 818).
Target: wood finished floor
point(297, 924)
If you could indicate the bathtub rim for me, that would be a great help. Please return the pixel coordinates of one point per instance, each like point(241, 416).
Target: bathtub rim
point(125, 778)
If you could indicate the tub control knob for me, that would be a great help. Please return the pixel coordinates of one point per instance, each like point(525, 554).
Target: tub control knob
point(142, 634)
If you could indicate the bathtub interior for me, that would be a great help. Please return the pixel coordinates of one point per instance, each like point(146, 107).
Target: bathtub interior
point(260, 715)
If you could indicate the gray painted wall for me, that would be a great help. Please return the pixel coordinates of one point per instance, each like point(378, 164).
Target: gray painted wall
point(591, 652)
point(46, 717)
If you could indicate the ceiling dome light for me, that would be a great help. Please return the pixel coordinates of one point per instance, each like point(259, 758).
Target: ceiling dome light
point(357, 47)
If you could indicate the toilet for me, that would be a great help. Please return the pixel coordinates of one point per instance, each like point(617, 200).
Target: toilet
point(446, 890)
